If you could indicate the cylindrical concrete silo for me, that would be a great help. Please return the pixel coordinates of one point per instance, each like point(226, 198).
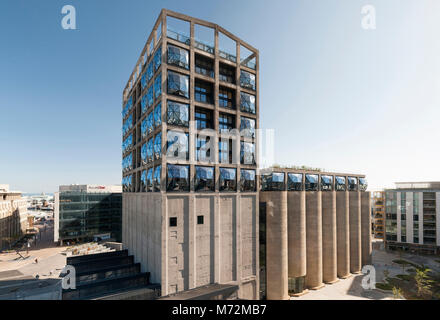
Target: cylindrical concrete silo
point(314, 239)
point(329, 251)
point(355, 231)
point(366, 228)
point(296, 222)
point(343, 234)
point(276, 245)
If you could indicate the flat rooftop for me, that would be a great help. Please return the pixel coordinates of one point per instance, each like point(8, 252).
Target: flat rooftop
point(428, 185)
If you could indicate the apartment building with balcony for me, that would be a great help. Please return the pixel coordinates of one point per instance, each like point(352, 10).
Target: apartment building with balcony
point(190, 202)
point(412, 217)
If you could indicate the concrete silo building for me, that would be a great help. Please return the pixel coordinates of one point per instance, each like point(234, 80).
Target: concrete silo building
point(314, 229)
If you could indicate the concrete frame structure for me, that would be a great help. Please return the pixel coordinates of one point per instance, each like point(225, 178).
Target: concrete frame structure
point(224, 249)
point(412, 217)
point(318, 235)
point(13, 216)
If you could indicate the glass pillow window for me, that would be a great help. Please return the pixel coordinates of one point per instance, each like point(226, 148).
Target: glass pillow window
point(128, 143)
point(340, 183)
point(352, 184)
point(177, 178)
point(150, 71)
point(311, 183)
point(177, 145)
point(178, 57)
point(127, 163)
point(144, 181)
point(144, 154)
point(294, 182)
point(144, 105)
point(247, 102)
point(178, 84)
point(157, 173)
point(158, 146)
point(326, 183)
point(177, 114)
point(128, 124)
point(158, 86)
point(247, 153)
point(247, 80)
point(127, 107)
point(247, 181)
point(150, 123)
point(363, 184)
point(150, 150)
point(204, 179)
point(247, 127)
point(144, 131)
point(228, 179)
point(272, 182)
point(149, 180)
point(158, 115)
point(157, 59)
point(150, 97)
point(144, 80)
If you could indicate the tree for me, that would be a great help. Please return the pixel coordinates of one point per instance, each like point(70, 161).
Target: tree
point(397, 292)
point(423, 281)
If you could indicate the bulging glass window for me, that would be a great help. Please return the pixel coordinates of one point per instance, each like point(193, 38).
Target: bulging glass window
point(177, 178)
point(178, 84)
point(272, 182)
point(144, 80)
point(178, 114)
point(149, 180)
point(247, 153)
point(150, 123)
point(228, 179)
point(204, 179)
point(158, 86)
point(312, 182)
point(178, 56)
point(352, 184)
point(247, 103)
point(127, 183)
point(144, 131)
point(158, 115)
point(144, 105)
point(128, 124)
point(177, 145)
point(294, 182)
point(248, 181)
point(326, 183)
point(150, 150)
point(158, 59)
point(150, 97)
point(363, 184)
point(340, 183)
point(128, 143)
point(143, 181)
point(150, 71)
point(127, 163)
point(157, 173)
point(158, 146)
point(127, 107)
point(247, 80)
point(247, 127)
point(144, 154)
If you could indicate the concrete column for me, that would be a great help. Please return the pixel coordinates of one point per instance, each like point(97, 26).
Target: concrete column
point(296, 222)
point(355, 231)
point(366, 228)
point(314, 240)
point(342, 234)
point(329, 248)
point(276, 245)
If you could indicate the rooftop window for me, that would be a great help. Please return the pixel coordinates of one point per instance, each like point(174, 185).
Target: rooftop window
point(178, 114)
point(179, 30)
point(178, 84)
point(326, 183)
point(248, 58)
point(294, 182)
point(177, 178)
point(363, 185)
point(204, 179)
point(228, 47)
point(178, 57)
point(352, 184)
point(204, 38)
point(312, 182)
point(272, 182)
point(248, 181)
point(228, 179)
point(247, 103)
point(340, 183)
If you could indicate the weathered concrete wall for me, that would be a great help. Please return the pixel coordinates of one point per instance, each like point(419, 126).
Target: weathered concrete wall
point(276, 245)
point(329, 251)
point(314, 240)
point(342, 234)
point(355, 231)
point(296, 221)
point(366, 248)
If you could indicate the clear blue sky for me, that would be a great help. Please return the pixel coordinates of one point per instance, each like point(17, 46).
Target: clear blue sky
point(339, 97)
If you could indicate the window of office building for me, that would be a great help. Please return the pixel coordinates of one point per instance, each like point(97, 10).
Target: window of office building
point(158, 115)
point(149, 180)
point(226, 122)
point(228, 179)
point(247, 103)
point(363, 184)
point(178, 84)
point(248, 181)
point(203, 119)
point(247, 127)
point(203, 91)
point(340, 183)
point(226, 73)
point(178, 114)
point(177, 178)
point(247, 153)
point(158, 86)
point(294, 182)
point(157, 59)
point(156, 179)
point(177, 145)
point(226, 98)
point(352, 184)
point(158, 146)
point(204, 66)
point(326, 183)
point(272, 182)
point(311, 182)
point(204, 179)
point(247, 80)
point(203, 149)
point(178, 57)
